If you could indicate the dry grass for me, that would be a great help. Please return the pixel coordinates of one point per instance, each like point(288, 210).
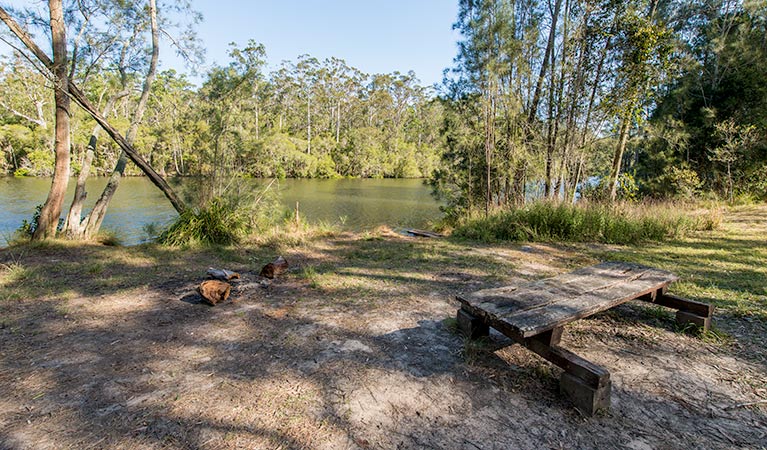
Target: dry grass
point(108, 347)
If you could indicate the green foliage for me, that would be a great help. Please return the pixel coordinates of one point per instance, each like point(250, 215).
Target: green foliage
point(719, 95)
point(218, 222)
point(27, 228)
point(589, 222)
point(685, 182)
point(226, 212)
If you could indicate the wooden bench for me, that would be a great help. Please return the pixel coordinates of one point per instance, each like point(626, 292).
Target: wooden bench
point(533, 315)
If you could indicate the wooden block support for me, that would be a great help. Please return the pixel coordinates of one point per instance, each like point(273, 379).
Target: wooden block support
point(587, 399)
point(684, 318)
point(683, 304)
point(688, 311)
point(472, 327)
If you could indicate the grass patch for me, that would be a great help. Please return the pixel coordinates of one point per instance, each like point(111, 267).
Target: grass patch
point(218, 222)
point(586, 222)
point(726, 267)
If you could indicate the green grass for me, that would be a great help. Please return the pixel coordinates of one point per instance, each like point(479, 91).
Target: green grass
point(218, 222)
point(585, 222)
point(726, 267)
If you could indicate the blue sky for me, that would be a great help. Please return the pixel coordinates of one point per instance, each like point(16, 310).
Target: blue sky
point(375, 37)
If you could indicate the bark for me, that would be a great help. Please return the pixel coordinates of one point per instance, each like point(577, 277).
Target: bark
point(618, 156)
point(552, 134)
point(545, 63)
point(338, 123)
point(86, 104)
point(309, 126)
point(96, 217)
point(49, 215)
point(73, 228)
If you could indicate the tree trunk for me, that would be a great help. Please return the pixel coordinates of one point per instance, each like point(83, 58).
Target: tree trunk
point(544, 64)
point(96, 217)
point(338, 123)
point(618, 156)
point(49, 215)
point(73, 227)
point(83, 101)
point(309, 126)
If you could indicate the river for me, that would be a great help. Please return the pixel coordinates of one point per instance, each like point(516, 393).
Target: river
point(353, 204)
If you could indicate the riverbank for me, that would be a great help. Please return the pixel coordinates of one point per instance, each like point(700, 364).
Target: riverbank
point(354, 347)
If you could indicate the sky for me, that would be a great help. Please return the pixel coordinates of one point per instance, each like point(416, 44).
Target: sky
point(374, 36)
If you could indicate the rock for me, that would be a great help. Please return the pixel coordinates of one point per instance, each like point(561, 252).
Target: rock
point(214, 291)
point(222, 274)
point(274, 268)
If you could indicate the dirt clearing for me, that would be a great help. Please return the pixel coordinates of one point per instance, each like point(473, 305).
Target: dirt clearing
point(355, 348)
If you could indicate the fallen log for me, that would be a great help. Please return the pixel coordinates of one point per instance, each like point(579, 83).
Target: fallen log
point(214, 291)
point(274, 268)
point(423, 233)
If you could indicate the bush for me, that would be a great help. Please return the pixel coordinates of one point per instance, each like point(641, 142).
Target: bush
point(224, 216)
point(587, 222)
point(218, 222)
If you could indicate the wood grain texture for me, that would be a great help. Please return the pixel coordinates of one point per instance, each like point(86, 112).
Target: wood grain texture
point(528, 310)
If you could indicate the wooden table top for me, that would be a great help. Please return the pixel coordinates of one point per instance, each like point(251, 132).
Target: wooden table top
point(531, 309)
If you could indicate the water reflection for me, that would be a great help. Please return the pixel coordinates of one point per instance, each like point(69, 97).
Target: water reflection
point(352, 204)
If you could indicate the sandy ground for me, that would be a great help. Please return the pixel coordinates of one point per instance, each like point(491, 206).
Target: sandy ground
point(353, 348)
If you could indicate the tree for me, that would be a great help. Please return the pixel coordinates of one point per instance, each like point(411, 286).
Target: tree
point(82, 100)
point(646, 46)
point(92, 222)
point(735, 141)
point(51, 211)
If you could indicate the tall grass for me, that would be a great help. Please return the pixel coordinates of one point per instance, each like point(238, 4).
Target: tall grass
point(224, 215)
point(624, 223)
point(217, 222)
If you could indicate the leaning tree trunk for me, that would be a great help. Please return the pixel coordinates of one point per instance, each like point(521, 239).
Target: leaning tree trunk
point(96, 217)
point(83, 101)
point(49, 215)
point(74, 226)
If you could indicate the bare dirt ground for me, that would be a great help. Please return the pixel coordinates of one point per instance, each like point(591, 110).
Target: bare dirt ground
point(354, 348)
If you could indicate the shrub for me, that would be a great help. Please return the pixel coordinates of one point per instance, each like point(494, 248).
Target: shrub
point(217, 222)
point(224, 215)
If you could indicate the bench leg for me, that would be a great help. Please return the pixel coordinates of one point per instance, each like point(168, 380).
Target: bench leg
point(586, 384)
point(688, 311)
point(586, 398)
point(471, 326)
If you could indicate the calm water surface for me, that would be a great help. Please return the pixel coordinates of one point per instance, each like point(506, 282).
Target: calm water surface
point(352, 204)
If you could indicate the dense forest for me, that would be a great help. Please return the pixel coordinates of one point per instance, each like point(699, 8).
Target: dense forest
point(558, 99)
point(658, 98)
point(309, 118)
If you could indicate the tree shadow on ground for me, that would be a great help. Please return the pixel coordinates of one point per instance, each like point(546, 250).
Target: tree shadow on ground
point(297, 366)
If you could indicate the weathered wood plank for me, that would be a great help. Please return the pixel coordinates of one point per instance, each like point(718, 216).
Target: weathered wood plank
point(524, 311)
point(540, 293)
point(682, 304)
point(532, 322)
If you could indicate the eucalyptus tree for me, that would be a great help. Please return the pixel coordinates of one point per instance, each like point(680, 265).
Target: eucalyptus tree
point(135, 19)
point(645, 47)
point(48, 220)
point(49, 67)
point(229, 105)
